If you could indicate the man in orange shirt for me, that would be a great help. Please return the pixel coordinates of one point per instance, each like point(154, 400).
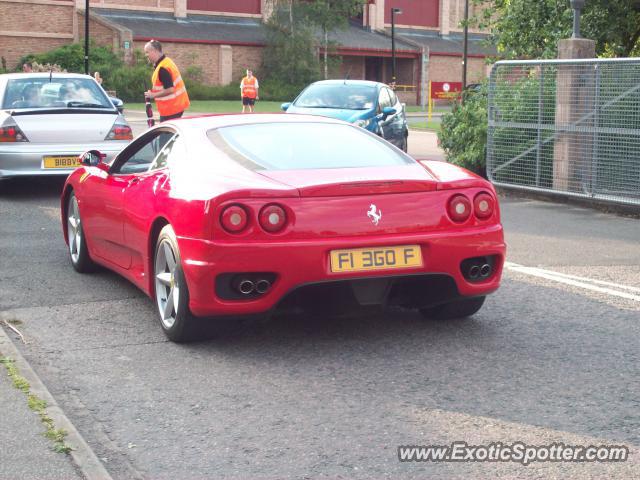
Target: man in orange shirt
point(249, 91)
point(167, 86)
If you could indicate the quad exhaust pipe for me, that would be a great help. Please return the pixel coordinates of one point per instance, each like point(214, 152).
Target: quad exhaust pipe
point(477, 268)
point(485, 270)
point(262, 286)
point(246, 286)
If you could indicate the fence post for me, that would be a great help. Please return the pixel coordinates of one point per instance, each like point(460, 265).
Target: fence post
point(596, 122)
point(567, 158)
point(540, 106)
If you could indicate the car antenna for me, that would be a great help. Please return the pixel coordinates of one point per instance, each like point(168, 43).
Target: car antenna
point(347, 76)
point(50, 74)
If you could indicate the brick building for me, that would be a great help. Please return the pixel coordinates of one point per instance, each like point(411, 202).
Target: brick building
point(225, 36)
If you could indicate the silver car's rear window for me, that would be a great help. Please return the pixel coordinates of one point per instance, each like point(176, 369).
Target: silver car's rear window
point(305, 145)
point(39, 92)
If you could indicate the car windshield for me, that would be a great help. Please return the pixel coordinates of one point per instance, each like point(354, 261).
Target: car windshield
point(39, 92)
point(302, 146)
point(350, 97)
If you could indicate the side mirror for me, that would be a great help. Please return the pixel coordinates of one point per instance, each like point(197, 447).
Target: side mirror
point(92, 158)
point(119, 104)
point(387, 111)
point(285, 106)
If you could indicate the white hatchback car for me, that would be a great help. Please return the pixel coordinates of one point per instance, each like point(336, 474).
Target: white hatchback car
point(48, 119)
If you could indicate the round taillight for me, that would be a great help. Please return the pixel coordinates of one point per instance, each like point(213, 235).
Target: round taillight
point(483, 205)
point(234, 219)
point(272, 218)
point(459, 208)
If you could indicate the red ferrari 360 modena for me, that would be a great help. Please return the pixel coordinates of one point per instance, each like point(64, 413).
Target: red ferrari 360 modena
point(233, 215)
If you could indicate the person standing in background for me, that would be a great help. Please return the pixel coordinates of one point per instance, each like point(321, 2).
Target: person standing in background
point(97, 77)
point(249, 91)
point(167, 87)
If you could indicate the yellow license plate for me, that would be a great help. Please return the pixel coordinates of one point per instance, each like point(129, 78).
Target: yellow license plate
point(379, 258)
point(61, 161)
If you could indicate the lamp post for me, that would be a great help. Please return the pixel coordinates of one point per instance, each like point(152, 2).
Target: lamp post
point(86, 37)
point(465, 42)
point(577, 6)
point(394, 11)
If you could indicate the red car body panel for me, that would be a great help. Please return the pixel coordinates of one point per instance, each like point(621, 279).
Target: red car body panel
point(326, 210)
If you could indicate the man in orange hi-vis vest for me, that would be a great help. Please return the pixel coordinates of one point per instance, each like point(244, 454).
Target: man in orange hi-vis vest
point(249, 91)
point(167, 86)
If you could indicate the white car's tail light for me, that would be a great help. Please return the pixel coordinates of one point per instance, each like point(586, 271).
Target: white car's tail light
point(483, 205)
point(11, 133)
point(272, 218)
point(234, 219)
point(459, 208)
point(120, 131)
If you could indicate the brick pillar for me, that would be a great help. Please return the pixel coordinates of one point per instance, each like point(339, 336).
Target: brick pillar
point(445, 6)
point(225, 73)
point(126, 43)
point(180, 8)
point(376, 15)
point(574, 100)
point(266, 8)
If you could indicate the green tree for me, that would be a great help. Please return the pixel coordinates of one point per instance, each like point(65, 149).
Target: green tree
point(531, 29)
point(329, 16)
point(71, 58)
point(289, 56)
point(463, 135)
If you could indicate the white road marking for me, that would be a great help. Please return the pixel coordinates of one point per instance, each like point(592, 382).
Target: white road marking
point(600, 286)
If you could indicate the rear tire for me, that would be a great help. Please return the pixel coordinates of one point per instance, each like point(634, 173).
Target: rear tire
point(171, 291)
point(78, 251)
point(457, 309)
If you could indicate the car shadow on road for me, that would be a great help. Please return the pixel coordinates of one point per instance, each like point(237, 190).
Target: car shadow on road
point(293, 327)
point(32, 187)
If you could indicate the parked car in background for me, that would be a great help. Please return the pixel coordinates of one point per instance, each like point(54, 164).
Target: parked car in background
point(48, 119)
point(230, 215)
point(370, 105)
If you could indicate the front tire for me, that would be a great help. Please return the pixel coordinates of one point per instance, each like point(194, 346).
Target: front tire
point(78, 251)
point(405, 144)
point(457, 309)
point(171, 291)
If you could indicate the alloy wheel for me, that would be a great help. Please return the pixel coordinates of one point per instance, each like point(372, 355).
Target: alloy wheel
point(166, 283)
point(74, 229)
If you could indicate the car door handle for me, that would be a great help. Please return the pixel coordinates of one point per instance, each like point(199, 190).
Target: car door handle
point(133, 181)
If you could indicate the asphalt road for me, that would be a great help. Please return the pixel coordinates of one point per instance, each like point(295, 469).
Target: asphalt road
point(308, 396)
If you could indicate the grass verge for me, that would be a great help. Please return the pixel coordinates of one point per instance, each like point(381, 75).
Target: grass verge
point(233, 106)
point(429, 126)
point(217, 106)
point(57, 436)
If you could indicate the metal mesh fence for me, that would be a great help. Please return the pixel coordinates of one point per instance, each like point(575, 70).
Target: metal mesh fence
point(570, 126)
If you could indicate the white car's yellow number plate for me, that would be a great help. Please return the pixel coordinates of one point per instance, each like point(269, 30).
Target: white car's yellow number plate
point(61, 161)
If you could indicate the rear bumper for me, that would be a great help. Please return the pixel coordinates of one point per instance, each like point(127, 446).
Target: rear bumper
point(300, 263)
point(25, 159)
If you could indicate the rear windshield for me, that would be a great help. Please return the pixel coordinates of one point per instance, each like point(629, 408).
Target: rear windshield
point(33, 92)
point(350, 97)
point(301, 146)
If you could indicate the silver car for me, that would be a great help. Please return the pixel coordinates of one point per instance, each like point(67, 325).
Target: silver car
point(48, 119)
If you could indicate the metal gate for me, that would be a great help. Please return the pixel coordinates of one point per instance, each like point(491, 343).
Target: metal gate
point(566, 126)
